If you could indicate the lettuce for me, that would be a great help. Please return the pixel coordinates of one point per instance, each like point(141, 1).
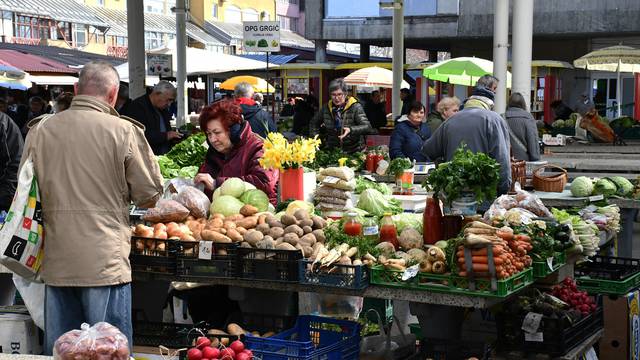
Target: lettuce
point(408, 220)
point(375, 203)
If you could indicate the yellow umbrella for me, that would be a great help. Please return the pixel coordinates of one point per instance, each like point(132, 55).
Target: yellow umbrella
point(259, 84)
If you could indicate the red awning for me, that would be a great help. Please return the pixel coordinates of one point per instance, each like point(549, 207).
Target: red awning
point(33, 63)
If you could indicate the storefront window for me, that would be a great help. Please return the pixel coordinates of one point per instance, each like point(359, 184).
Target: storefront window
point(232, 14)
point(80, 35)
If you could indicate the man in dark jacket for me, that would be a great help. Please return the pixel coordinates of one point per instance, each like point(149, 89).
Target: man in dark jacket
point(10, 153)
point(152, 111)
point(259, 119)
point(375, 110)
point(343, 120)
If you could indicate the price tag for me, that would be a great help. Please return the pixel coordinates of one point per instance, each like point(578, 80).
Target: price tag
point(550, 263)
point(531, 322)
point(533, 337)
point(410, 272)
point(370, 230)
point(331, 180)
point(596, 198)
point(204, 250)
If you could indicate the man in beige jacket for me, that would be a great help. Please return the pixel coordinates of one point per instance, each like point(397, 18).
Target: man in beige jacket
point(91, 164)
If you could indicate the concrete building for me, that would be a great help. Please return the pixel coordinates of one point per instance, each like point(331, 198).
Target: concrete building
point(562, 30)
point(290, 13)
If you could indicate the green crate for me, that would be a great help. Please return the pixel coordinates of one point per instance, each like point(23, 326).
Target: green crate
point(610, 287)
point(541, 268)
point(451, 284)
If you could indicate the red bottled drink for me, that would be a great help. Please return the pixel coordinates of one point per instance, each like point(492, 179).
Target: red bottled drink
point(351, 226)
point(388, 231)
point(432, 222)
point(371, 162)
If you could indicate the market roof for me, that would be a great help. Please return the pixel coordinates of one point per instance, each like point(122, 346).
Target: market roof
point(117, 20)
point(61, 10)
point(69, 57)
point(273, 59)
point(33, 63)
point(232, 34)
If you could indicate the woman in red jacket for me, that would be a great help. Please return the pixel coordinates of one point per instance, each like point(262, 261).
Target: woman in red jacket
point(234, 150)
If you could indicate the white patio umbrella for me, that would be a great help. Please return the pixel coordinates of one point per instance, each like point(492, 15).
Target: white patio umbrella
point(373, 77)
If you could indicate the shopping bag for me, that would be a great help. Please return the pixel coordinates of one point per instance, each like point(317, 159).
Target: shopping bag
point(385, 346)
point(22, 235)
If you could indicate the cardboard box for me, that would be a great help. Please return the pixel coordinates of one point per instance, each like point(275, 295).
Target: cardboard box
point(19, 335)
point(621, 339)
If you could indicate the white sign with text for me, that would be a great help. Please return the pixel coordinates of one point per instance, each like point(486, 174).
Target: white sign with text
point(261, 36)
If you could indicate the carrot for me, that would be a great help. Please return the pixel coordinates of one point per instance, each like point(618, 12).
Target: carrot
point(480, 267)
point(475, 260)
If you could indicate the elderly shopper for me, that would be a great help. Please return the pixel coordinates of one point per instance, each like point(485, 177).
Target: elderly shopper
point(91, 165)
point(258, 118)
point(234, 150)
point(444, 110)
point(152, 110)
point(409, 135)
point(342, 122)
point(523, 131)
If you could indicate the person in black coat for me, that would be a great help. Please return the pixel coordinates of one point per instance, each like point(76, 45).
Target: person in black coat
point(375, 110)
point(11, 145)
point(152, 111)
point(260, 120)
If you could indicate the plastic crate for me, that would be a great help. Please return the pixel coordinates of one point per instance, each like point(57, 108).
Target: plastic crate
point(313, 337)
point(155, 256)
point(541, 268)
point(272, 265)
point(608, 275)
point(343, 276)
point(451, 283)
point(568, 131)
point(173, 336)
point(220, 266)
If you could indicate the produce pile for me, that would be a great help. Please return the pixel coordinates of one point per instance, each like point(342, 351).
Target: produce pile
point(607, 218)
point(584, 232)
point(583, 186)
point(568, 123)
point(568, 292)
point(185, 158)
point(362, 184)
point(336, 187)
point(331, 157)
point(205, 348)
point(517, 209)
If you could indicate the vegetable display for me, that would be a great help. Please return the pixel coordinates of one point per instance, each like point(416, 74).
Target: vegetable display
point(217, 346)
point(233, 194)
point(568, 292)
point(398, 165)
point(363, 184)
point(330, 157)
point(375, 203)
point(185, 158)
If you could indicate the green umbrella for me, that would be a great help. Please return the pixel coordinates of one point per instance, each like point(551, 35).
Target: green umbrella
point(461, 71)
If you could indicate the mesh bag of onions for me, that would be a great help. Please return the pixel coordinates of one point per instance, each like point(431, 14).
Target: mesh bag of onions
point(101, 341)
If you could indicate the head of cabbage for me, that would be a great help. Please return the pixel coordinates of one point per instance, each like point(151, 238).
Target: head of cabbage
point(232, 187)
point(605, 187)
point(624, 186)
point(226, 205)
point(581, 186)
point(256, 198)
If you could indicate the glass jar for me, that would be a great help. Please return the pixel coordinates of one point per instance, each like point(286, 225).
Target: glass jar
point(370, 229)
point(388, 231)
point(351, 225)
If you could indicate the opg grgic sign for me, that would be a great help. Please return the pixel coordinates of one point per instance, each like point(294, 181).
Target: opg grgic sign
point(261, 36)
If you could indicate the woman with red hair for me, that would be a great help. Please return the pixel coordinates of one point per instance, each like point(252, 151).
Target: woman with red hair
point(234, 150)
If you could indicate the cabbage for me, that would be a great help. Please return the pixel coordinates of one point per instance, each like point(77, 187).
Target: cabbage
point(226, 205)
point(375, 203)
point(569, 123)
point(216, 194)
point(605, 187)
point(271, 208)
point(299, 204)
point(408, 220)
point(558, 124)
point(581, 186)
point(624, 186)
point(232, 187)
point(256, 198)
point(249, 186)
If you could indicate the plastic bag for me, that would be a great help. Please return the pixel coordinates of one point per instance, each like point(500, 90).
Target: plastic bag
point(195, 200)
point(522, 200)
point(328, 191)
point(102, 341)
point(330, 200)
point(32, 294)
point(166, 211)
point(343, 172)
point(337, 183)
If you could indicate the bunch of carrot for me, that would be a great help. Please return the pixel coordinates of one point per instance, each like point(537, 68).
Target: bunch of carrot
point(509, 250)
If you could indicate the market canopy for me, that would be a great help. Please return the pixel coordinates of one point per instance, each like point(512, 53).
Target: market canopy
point(372, 76)
point(13, 78)
point(259, 84)
point(461, 71)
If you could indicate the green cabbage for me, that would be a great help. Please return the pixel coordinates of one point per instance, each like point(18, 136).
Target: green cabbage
point(569, 123)
point(605, 187)
point(216, 194)
point(581, 186)
point(249, 186)
point(256, 198)
point(375, 203)
point(232, 187)
point(226, 205)
point(624, 186)
point(408, 220)
point(558, 124)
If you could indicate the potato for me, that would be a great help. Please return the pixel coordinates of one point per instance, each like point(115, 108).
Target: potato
point(294, 229)
point(263, 228)
point(308, 239)
point(229, 225)
point(245, 245)
point(248, 210)
point(267, 243)
point(234, 235)
point(235, 329)
point(276, 232)
point(319, 235)
point(288, 220)
point(301, 214)
point(214, 236)
point(253, 236)
point(235, 217)
point(248, 222)
point(275, 223)
point(221, 252)
point(279, 240)
point(307, 229)
point(306, 222)
point(241, 230)
point(307, 251)
point(285, 246)
point(318, 222)
point(215, 223)
point(255, 333)
point(291, 238)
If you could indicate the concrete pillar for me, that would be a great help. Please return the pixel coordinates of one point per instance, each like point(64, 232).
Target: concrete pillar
point(522, 43)
point(397, 63)
point(321, 51)
point(135, 38)
point(500, 51)
point(365, 52)
point(181, 53)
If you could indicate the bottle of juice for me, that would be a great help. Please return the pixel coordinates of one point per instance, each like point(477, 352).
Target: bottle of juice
point(388, 231)
point(351, 226)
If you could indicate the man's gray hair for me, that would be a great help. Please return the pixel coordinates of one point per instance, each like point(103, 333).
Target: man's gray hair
point(487, 81)
point(337, 84)
point(243, 90)
point(98, 78)
point(258, 97)
point(165, 87)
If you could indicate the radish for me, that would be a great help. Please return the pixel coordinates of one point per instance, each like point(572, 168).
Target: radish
point(243, 356)
point(203, 342)
point(227, 354)
point(248, 352)
point(210, 353)
point(237, 346)
point(194, 354)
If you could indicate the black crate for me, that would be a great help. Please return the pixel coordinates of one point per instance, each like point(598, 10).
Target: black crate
point(272, 265)
point(155, 256)
point(608, 268)
point(173, 336)
point(220, 266)
point(343, 276)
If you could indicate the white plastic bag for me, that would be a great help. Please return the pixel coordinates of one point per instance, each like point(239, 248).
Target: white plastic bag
point(101, 341)
point(32, 294)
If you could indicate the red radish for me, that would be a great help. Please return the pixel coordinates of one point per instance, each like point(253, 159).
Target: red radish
point(237, 346)
point(194, 354)
point(248, 352)
point(210, 353)
point(203, 342)
point(243, 356)
point(227, 354)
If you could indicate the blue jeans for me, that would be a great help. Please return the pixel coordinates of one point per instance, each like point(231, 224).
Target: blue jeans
point(66, 308)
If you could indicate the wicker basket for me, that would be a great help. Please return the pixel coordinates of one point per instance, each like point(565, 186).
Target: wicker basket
point(518, 173)
point(549, 183)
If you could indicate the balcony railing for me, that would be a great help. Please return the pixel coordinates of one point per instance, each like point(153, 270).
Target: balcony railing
point(118, 51)
point(24, 41)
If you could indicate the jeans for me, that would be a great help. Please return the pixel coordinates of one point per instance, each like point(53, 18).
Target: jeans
point(66, 308)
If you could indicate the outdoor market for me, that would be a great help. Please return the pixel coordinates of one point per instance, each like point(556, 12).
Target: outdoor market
point(189, 204)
